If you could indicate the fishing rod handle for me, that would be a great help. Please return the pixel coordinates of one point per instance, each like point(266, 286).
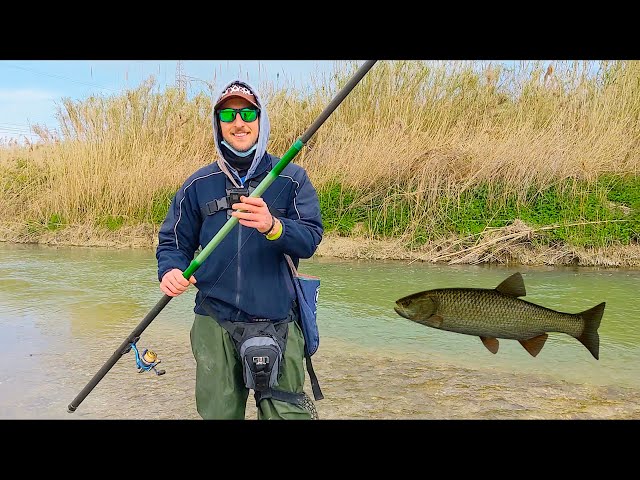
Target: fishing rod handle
point(121, 350)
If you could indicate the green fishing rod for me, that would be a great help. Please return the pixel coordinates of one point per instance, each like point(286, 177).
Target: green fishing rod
point(148, 360)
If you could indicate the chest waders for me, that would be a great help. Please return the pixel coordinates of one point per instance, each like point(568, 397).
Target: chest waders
point(134, 336)
point(240, 331)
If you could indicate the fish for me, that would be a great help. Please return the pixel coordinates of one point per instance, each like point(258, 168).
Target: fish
point(497, 313)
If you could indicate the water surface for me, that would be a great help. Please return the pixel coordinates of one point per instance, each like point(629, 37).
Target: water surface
point(64, 311)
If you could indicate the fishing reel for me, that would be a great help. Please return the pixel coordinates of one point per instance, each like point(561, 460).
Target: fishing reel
point(147, 361)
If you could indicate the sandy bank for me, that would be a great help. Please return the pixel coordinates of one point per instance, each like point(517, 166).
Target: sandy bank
point(506, 246)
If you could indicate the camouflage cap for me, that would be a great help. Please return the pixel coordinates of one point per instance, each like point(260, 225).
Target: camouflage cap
point(237, 90)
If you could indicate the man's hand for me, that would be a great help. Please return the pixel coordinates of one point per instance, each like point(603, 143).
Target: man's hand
point(255, 213)
point(173, 282)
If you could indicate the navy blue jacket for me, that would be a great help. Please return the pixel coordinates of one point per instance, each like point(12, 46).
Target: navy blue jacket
point(245, 276)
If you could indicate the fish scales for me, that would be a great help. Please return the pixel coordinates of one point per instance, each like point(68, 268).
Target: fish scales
point(492, 314)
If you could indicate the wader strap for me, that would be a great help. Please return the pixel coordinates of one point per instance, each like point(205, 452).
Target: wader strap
point(233, 195)
point(236, 330)
point(315, 386)
point(224, 203)
point(289, 397)
point(216, 205)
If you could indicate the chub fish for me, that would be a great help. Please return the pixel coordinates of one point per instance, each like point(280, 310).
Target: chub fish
point(500, 313)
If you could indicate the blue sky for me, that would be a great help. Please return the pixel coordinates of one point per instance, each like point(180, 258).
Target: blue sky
point(30, 90)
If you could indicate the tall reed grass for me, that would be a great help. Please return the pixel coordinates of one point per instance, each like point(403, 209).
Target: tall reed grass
point(412, 152)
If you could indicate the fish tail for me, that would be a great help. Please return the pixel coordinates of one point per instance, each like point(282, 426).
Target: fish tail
point(589, 337)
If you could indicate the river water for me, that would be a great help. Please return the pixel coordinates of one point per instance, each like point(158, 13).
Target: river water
point(65, 310)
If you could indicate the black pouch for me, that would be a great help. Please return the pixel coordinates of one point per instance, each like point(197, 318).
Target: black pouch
point(261, 353)
point(260, 345)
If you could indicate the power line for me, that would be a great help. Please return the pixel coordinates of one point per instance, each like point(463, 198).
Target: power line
point(59, 76)
point(14, 129)
point(15, 124)
point(196, 79)
point(19, 134)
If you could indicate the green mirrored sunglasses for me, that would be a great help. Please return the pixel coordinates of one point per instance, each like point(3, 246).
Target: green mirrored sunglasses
point(229, 114)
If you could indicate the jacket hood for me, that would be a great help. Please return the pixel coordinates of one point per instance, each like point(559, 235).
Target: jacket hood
point(261, 144)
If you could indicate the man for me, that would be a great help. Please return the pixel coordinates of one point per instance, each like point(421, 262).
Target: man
point(246, 278)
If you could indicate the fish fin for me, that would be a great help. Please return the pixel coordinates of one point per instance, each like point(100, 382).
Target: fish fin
point(436, 320)
point(513, 286)
point(535, 344)
point(590, 337)
point(491, 343)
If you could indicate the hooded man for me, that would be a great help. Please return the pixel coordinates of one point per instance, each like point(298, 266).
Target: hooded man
point(247, 280)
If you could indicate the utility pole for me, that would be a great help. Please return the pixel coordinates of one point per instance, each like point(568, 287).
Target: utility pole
point(181, 82)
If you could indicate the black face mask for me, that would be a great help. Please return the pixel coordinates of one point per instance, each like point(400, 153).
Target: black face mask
point(237, 162)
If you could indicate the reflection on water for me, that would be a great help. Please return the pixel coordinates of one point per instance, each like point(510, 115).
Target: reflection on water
point(63, 312)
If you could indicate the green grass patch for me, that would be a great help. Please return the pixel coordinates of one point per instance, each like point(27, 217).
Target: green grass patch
point(345, 210)
point(55, 222)
point(622, 190)
point(337, 210)
point(586, 214)
point(160, 205)
point(390, 216)
point(111, 222)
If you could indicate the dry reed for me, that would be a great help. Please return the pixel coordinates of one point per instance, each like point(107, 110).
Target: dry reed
point(415, 130)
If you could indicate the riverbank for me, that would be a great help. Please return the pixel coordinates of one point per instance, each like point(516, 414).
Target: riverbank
point(515, 244)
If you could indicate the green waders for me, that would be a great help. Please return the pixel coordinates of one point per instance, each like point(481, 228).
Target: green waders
point(220, 389)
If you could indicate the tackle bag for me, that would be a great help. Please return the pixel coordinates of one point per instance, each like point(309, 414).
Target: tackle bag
point(307, 289)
